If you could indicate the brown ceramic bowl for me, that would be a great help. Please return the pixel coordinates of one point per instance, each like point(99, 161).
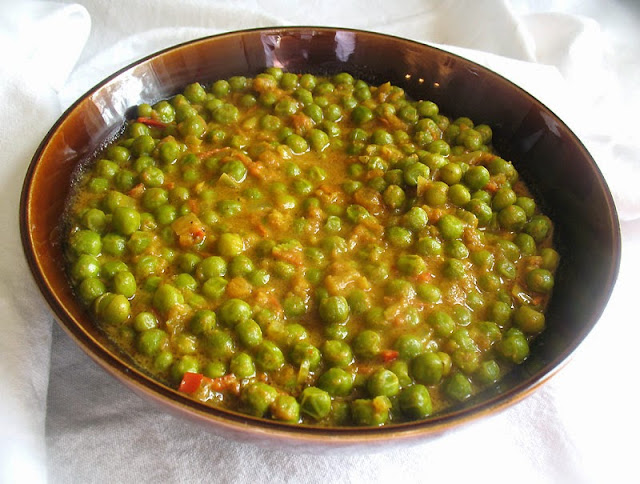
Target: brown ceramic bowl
point(547, 154)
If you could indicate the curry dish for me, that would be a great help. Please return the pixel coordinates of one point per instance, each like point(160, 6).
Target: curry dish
point(314, 250)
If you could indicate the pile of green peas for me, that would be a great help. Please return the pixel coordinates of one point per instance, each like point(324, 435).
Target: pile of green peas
point(314, 250)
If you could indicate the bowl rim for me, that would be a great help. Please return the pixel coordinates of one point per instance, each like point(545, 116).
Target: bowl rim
point(244, 424)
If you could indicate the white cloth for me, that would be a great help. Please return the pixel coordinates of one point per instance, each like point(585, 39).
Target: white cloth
point(64, 419)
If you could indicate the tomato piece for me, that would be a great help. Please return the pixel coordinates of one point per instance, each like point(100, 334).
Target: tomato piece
point(190, 382)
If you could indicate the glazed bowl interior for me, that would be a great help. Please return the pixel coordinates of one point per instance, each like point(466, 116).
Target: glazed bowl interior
point(548, 155)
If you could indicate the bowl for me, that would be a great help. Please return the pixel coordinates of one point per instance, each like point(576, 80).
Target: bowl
point(553, 161)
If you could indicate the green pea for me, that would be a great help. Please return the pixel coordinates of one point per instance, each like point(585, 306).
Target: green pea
point(213, 266)
point(370, 412)
point(153, 198)
point(512, 218)
point(514, 346)
point(163, 360)
point(408, 346)
point(139, 242)
point(297, 143)
point(185, 281)
point(215, 369)
point(489, 371)
point(367, 344)
point(86, 242)
point(166, 214)
point(124, 283)
point(526, 244)
point(240, 266)
point(220, 344)
point(96, 221)
point(506, 268)
point(429, 292)
point(233, 312)
point(294, 306)
point(358, 301)
point(427, 368)
point(221, 88)
point(193, 126)
point(259, 278)
point(411, 265)
point(383, 382)
point(315, 402)
point(214, 288)
point(489, 282)
point(249, 100)
point(458, 387)
point(451, 173)
point(203, 321)
point(258, 397)
point(456, 249)
point(285, 408)
point(236, 170)
point(270, 122)
point(242, 365)
point(147, 266)
point(125, 220)
point(186, 364)
point(414, 172)
point(436, 193)
point(529, 320)
point(86, 266)
point(230, 245)
point(284, 270)
point(317, 174)
point(394, 196)
point(415, 402)
point(90, 289)
point(229, 208)
point(550, 258)
point(268, 356)
point(399, 237)
point(125, 180)
point(527, 204)
point(334, 309)
point(442, 323)
point(226, 114)
point(195, 92)
point(117, 153)
point(500, 313)
point(476, 177)
point(150, 341)
point(416, 218)
point(538, 228)
point(336, 382)
point(166, 297)
point(482, 195)
point(361, 115)
point(356, 213)
point(337, 353)
point(451, 227)
point(142, 145)
point(459, 195)
point(428, 246)
point(503, 198)
point(481, 210)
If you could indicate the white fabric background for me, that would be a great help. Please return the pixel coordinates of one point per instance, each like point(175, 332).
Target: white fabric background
point(63, 419)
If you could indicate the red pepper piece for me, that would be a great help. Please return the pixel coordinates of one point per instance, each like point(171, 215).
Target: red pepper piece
point(388, 355)
point(151, 122)
point(190, 382)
